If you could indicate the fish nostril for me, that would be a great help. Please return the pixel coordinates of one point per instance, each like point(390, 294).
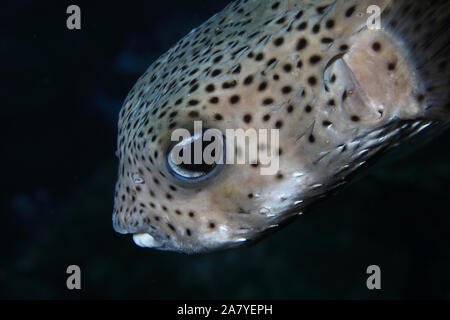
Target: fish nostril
point(138, 179)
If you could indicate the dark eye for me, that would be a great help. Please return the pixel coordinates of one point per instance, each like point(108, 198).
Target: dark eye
point(197, 157)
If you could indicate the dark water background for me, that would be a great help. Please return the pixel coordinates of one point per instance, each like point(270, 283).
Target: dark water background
point(62, 91)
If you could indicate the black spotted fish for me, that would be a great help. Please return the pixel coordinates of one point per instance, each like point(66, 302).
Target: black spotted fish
point(342, 81)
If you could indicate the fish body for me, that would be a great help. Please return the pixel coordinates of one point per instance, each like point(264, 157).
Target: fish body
point(337, 91)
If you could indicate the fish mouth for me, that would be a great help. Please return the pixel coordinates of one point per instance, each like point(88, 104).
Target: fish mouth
point(145, 240)
point(140, 237)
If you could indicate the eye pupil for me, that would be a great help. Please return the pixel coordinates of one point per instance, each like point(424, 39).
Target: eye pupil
point(192, 165)
point(186, 159)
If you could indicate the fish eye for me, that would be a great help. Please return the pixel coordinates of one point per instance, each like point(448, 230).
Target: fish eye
point(197, 157)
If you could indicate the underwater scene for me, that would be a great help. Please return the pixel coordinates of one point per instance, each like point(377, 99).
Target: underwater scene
point(96, 207)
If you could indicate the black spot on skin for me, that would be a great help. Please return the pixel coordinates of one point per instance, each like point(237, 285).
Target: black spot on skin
point(212, 225)
point(214, 100)
point(376, 46)
point(250, 195)
point(298, 15)
point(316, 28)
point(188, 232)
point(193, 102)
point(321, 10)
point(326, 123)
point(329, 24)
point(391, 66)
point(302, 43)
point(271, 61)
point(173, 114)
point(278, 124)
point(266, 117)
point(311, 138)
point(287, 67)
point(281, 20)
point(234, 99)
point(218, 117)
point(210, 88)
point(259, 57)
point(286, 89)
point(193, 114)
point(343, 47)
point(247, 118)
point(312, 80)
point(248, 80)
point(262, 86)
point(217, 59)
point(290, 108)
point(308, 109)
point(302, 26)
point(275, 5)
point(229, 84)
point(191, 214)
point(314, 59)
point(267, 101)
point(216, 72)
point(355, 118)
point(350, 11)
point(333, 78)
point(327, 40)
point(194, 88)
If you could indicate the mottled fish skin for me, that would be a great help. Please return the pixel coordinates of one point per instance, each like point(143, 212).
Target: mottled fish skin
point(338, 92)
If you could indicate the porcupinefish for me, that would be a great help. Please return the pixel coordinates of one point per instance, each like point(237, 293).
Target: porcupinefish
point(338, 89)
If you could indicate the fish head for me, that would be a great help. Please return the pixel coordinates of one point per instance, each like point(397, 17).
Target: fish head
point(199, 206)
